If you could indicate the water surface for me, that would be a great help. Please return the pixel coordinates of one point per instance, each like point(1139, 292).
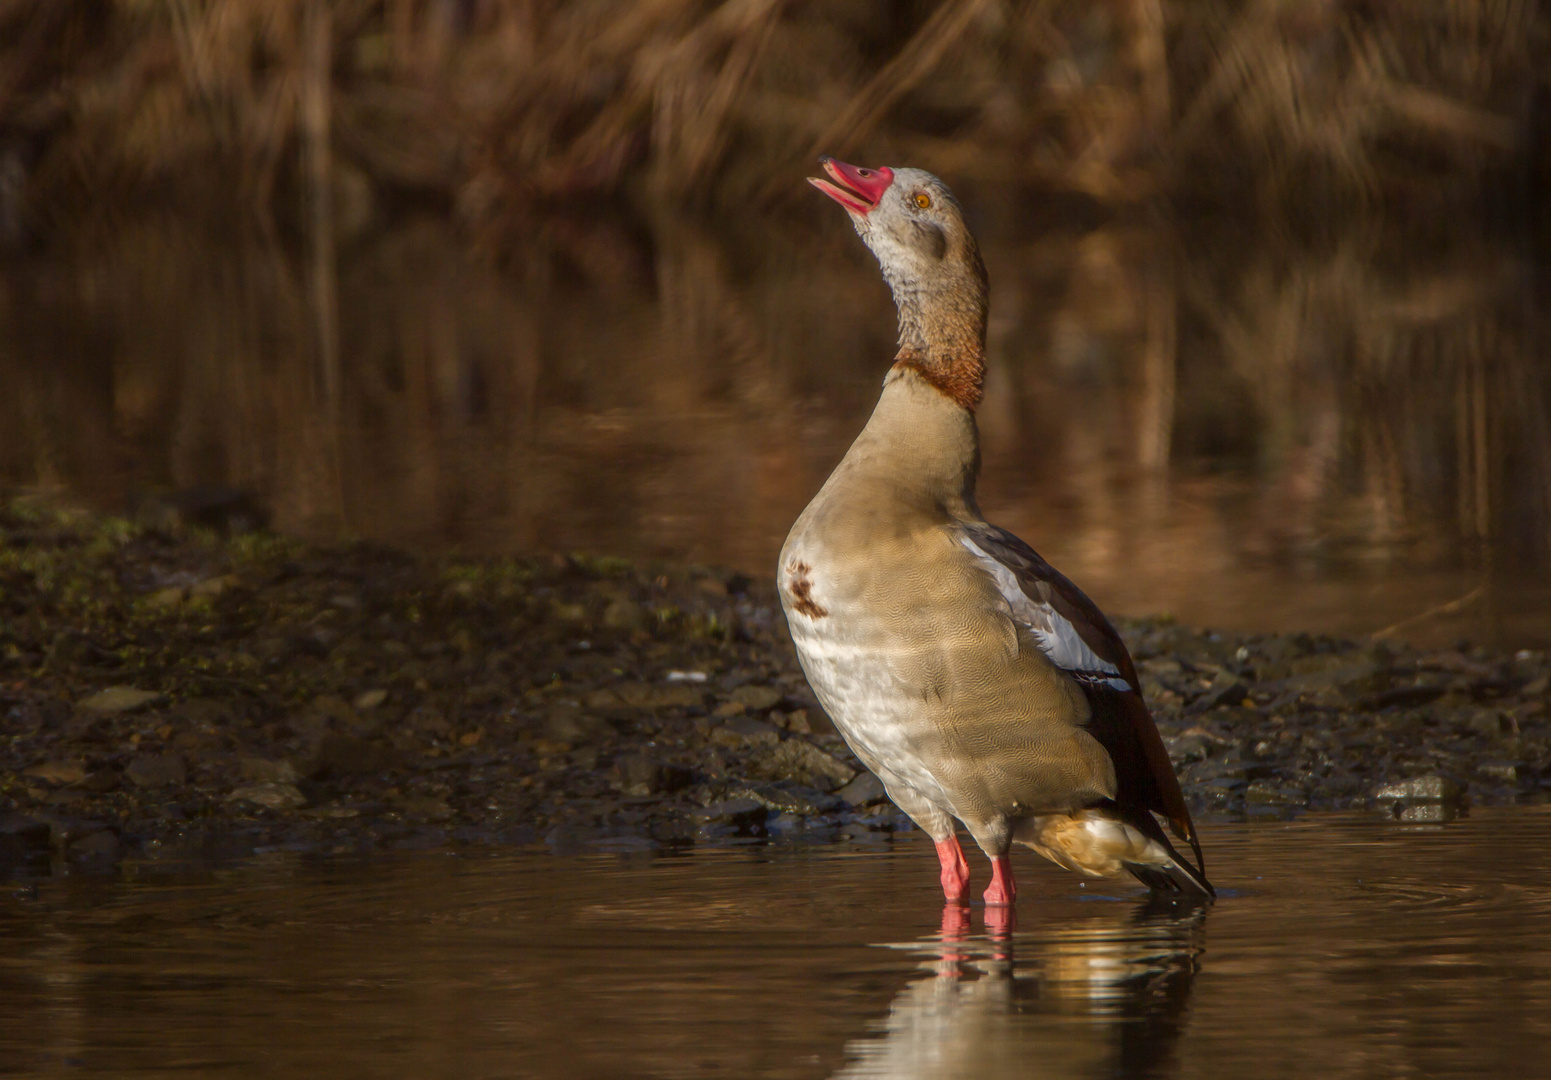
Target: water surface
point(1240, 431)
point(1344, 946)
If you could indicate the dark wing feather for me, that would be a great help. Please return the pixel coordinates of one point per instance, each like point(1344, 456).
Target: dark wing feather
point(1059, 612)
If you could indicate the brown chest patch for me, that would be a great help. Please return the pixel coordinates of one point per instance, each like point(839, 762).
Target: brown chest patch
point(802, 592)
point(960, 381)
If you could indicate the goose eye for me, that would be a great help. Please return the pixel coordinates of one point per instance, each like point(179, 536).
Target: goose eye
point(923, 200)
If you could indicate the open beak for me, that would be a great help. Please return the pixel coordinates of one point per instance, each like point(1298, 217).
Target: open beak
point(855, 188)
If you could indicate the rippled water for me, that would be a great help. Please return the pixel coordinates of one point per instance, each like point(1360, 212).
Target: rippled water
point(1242, 432)
point(1343, 946)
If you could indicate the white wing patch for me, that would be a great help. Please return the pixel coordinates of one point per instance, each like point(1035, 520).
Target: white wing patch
point(1057, 637)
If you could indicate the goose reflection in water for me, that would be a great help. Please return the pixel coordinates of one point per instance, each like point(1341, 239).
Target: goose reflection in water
point(1100, 997)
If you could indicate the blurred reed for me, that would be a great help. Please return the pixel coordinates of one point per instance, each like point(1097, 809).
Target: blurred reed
point(1259, 104)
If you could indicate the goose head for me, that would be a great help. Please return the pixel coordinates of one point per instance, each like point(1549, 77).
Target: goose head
point(910, 220)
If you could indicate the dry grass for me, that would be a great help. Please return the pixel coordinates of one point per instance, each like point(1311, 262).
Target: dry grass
point(496, 105)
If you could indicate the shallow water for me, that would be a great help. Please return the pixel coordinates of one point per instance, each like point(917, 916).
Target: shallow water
point(1343, 946)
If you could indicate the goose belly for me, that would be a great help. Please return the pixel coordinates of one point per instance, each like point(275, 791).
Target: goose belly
point(853, 662)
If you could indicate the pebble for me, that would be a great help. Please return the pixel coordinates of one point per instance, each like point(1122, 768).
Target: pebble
point(745, 733)
point(101, 846)
point(757, 698)
point(865, 790)
point(640, 775)
point(270, 794)
point(738, 812)
point(61, 773)
point(263, 769)
point(119, 699)
point(1431, 788)
point(23, 840)
point(800, 760)
point(337, 754)
point(788, 799)
point(156, 770)
point(1225, 690)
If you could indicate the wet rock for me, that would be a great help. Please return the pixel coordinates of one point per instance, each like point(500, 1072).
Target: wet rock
point(642, 696)
point(800, 760)
point(1343, 686)
point(262, 770)
point(1509, 772)
point(810, 720)
point(861, 833)
point(430, 809)
point(203, 712)
point(1433, 787)
point(23, 840)
point(210, 588)
point(571, 839)
point(65, 797)
point(569, 613)
point(101, 846)
point(736, 812)
point(757, 698)
point(865, 790)
point(1225, 767)
point(1225, 690)
point(639, 775)
point(1238, 718)
point(325, 713)
point(59, 773)
point(569, 725)
point(786, 823)
point(166, 599)
point(1219, 790)
point(806, 802)
point(1431, 813)
point(1187, 747)
point(272, 795)
point(623, 614)
point(118, 699)
point(100, 781)
point(156, 770)
point(1268, 793)
point(1488, 722)
point(338, 754)
point(744, 732)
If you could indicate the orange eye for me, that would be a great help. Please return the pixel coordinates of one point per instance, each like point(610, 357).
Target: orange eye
point(923, 200)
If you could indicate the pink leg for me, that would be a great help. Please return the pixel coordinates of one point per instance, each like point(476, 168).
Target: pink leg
point(1002, 890)
point(955, 870)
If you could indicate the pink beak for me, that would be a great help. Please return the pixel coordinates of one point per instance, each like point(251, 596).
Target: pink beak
point(855, 188)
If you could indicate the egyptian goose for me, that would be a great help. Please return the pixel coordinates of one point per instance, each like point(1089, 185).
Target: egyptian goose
point(979, 684)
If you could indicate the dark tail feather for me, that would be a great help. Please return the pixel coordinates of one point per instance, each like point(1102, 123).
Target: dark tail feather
point(1176, 876)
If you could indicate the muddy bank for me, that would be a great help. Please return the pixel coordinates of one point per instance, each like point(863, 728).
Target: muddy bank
point(172, 693)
